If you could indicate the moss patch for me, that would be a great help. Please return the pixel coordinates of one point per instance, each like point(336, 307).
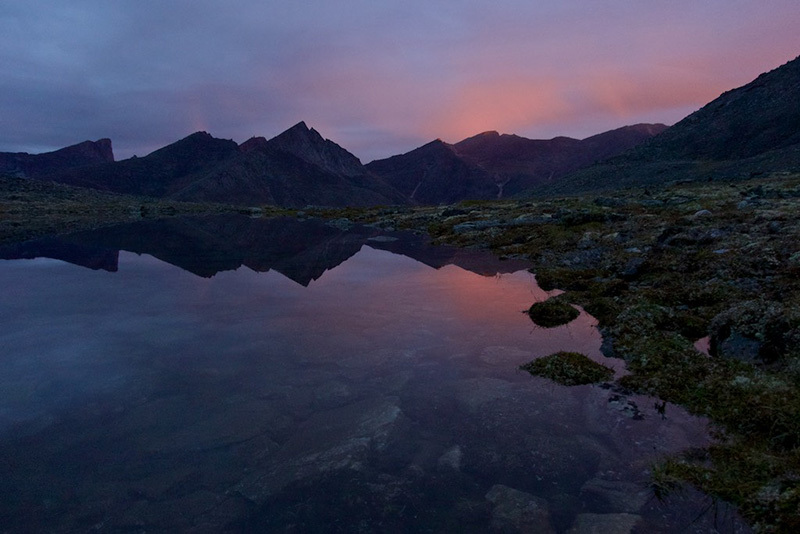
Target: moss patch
point(552, 312)
point(569, 369)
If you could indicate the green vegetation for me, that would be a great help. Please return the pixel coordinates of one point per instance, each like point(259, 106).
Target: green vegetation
point(569, 369)
point(552, 312)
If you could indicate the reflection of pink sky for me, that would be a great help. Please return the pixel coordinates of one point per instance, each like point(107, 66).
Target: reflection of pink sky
point(383, 288)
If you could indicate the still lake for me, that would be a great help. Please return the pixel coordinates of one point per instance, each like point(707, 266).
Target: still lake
point(236, 374)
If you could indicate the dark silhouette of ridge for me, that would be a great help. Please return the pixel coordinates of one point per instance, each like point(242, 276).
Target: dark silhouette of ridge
point(308, 145)
point(295, 169)
point(435, 174)
point(491, 165)
point(24, 165)
point(749, 131)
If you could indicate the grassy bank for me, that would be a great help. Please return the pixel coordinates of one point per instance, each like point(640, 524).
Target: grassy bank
point(31, 208)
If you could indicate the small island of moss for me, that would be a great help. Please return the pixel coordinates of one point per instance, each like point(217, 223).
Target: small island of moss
point(569, 369)
point(552, 312)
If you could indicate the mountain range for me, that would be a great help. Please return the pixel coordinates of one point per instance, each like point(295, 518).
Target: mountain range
point(299, 168)
point(748, 131)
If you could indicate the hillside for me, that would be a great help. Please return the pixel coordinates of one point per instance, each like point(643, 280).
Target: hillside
point(435, 174)
point(750, 131)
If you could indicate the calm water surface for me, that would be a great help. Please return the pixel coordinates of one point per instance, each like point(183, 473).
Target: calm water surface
point(359, 391)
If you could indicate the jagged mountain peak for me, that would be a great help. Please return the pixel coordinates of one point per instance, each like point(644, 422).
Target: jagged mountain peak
point(201, 143)
point(307, 144)
point(254, 143)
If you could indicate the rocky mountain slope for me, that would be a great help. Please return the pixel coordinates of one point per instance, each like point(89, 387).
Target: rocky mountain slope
point(491, 165)
point(750, 131)
point(435, 174)
point(24, 165)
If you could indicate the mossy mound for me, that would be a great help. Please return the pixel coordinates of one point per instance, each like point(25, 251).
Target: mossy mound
point(552, 312)
point(569, 369)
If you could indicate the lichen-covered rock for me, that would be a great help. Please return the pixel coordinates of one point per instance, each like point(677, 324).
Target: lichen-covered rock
point(755, 331)
point(569, 369)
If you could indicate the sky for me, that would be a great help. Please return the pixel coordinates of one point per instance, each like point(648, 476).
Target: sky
point(377, 77)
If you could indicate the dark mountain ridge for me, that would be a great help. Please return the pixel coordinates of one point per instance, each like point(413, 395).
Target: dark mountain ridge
point(749, 131)
point(24, 165)
point(294, 169)
point(491, 165)
point(307, 144)
point(435, 174)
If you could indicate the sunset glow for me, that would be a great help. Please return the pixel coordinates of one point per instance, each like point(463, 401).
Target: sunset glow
point(377, 79)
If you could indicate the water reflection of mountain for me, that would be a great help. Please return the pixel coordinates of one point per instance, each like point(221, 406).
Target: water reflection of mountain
point(301, 250)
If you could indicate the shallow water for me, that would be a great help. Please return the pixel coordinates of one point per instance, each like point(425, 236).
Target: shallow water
point(362, 390)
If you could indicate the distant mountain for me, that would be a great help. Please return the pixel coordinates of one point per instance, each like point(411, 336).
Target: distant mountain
point(748, 131)
point(435, 174)
point(491, 165)
point(24, 165)
point(294, 169)
point(308, 145)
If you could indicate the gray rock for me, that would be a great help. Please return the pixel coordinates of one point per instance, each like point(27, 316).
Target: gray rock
point(604, 524)
point(517, 511)
point(701, 213)
point(739, 347)
point(475, 225)
point(341, 224)
point(451, 459)
point(331, 440)
point(632, 267)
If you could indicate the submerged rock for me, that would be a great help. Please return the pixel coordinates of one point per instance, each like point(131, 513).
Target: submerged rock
point(451, 459)
point(517, 511)
point(604, 524)
point(614, 495)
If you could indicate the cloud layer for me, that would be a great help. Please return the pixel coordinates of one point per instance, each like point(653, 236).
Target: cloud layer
point(377, 77)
